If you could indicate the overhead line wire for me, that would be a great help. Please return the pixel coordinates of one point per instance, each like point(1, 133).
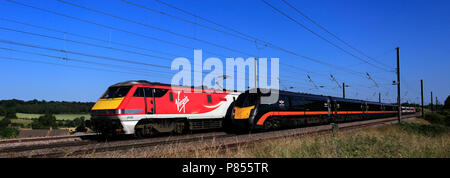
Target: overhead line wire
point(105, 26)
point(256, 39)
point(80, 60)
point(86, 37)
point(320, 36)
point(82, 54)
point(332, 34)
point(110, 27)
point(155, 27)
point(85, 43)
point(72, 66)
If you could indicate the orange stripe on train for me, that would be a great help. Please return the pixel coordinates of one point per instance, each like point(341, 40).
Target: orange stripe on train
point(301, 113)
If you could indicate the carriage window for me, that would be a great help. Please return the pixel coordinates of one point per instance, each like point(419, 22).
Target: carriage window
point(246, 99)
point(171, 96)
point(148, 92)
point(116, 92)
point(160, 92)
point(298, 101)
point(139, 92)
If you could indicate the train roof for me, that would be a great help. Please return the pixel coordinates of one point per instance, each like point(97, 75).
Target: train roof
point(302, 94)
point(332, 97)
point(145, 82)
point(137, 82)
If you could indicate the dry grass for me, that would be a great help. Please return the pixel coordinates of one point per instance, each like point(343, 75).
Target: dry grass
point(417, 139)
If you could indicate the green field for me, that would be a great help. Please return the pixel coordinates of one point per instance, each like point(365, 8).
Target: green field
point(22, 121)
point(58, 116)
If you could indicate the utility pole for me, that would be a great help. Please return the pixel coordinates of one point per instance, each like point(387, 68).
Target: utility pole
point(256, 74)
point(436, 105)
point(398, 85)
point(343, 90)
point(379, 97)
point(421, 93)
point(431, 104)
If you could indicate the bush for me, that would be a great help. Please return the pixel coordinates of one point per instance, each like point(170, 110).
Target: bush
point(2, 111)
point(79, 121)
point(5, 122)
point(45, 122)
point(436, 118)
point(8, 132)
point(11, 115)
point(17, 125)
point(423, 129)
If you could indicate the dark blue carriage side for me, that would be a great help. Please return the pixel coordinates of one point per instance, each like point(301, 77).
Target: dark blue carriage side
point(339, 105)
point(297, 109)
point(287, 101)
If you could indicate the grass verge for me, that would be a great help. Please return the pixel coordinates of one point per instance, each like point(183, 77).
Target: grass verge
point(414, 139)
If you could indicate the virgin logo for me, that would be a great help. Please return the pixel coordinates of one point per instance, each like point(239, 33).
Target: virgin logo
point(181, 104)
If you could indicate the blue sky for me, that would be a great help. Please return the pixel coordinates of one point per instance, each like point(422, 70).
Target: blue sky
point(419, 28)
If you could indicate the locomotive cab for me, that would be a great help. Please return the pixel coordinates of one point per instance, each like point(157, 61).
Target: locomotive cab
point(105, 113)
point(147, 108)
point(110, 100)
point(244, 110)
point(245, 103)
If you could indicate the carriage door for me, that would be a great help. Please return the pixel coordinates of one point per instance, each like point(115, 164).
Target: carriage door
point(150, 100)
point(335, 107)
point(328, 105)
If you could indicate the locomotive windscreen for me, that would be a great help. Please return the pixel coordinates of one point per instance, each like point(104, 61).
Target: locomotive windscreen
point(116, 92)
point(247, 99)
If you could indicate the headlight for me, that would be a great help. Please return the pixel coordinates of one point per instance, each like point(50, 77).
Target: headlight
point(128, 111)
point(115, 111)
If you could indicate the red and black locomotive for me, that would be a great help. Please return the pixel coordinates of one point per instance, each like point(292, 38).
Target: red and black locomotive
point(146, 108)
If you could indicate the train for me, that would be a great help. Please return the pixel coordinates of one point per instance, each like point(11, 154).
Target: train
point(299, 109)
point(146, 108)
point(142, 108)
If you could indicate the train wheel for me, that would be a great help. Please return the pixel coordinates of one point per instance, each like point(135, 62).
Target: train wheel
point(180, 128)
point(139, 133)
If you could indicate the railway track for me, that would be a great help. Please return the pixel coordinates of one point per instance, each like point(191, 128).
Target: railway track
point(41, 139)
point(221, 140)
point(84, 147)
point(26, 144)
point(234, 142)
point(324, 129)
